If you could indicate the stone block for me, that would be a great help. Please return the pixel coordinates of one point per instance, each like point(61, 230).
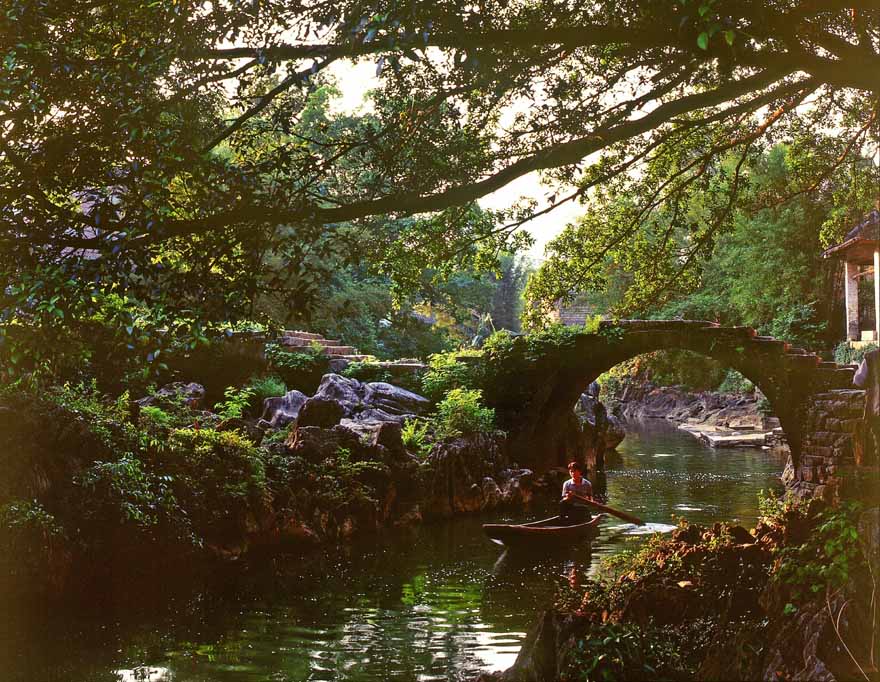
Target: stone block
point(823, 438)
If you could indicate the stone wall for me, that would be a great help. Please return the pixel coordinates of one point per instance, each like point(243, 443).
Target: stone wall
point(835, 464)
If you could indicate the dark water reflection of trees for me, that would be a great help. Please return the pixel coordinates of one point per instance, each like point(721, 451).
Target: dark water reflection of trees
point(428, 604)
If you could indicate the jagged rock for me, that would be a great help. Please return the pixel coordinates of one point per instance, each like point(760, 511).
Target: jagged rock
point(396, 400)
point(517, 486)
point(704, 409)
point(603, 431)
point(491, 494)
point(383, 438)
point(538, 658)
point(375, 401)
point(390, 434)
point(371, 414)
point(795, 652)
point(460, 468)
point(869, 536)
point(349, 393)
point(296, 532)
point(283, 410)
point(320, 411)
point(190, 394)
point(741, 535)
point(316, 444)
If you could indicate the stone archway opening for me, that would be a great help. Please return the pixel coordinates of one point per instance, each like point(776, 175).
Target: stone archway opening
point(693, 392)
point(537, 392)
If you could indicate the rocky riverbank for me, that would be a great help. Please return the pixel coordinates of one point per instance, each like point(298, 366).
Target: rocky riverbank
point(94, 488)
point(718, 419)
point(722, 604)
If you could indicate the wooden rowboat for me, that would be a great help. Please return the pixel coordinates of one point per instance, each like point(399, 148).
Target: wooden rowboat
point(544, 532)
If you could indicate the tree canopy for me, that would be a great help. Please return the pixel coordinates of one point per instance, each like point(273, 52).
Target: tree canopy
point(168, 150)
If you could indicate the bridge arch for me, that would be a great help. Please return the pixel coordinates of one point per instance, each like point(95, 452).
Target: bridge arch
point(535, 400)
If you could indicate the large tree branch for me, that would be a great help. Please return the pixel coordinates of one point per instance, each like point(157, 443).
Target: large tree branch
point(563, 154)
point(264, 101)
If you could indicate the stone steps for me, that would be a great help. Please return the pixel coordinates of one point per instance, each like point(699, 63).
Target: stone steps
point(301, 335)
point(299, 339)
point(835, 377)
point(805, 361)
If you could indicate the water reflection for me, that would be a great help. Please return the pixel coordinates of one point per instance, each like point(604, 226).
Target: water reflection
point(428, 605)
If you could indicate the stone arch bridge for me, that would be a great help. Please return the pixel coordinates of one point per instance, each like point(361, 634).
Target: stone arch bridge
point(535, 392)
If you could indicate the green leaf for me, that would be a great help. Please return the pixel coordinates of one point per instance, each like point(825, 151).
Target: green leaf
point(703, 41)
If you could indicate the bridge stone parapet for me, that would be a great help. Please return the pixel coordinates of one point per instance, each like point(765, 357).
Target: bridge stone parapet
point(834, 464)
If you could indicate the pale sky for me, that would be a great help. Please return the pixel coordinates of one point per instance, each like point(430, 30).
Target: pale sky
point(354, 80)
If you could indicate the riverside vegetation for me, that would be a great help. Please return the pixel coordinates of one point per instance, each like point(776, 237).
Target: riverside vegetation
point(794, 598)
point(96, 483)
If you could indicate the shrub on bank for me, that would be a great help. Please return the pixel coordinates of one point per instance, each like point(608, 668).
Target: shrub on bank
point(461, 413)
point(416, 436)
point(264, 387)
point(448, 371)
point(218, 479)
point(726, 599)
point(30, 536)
point(301, 370)
point(845, 354)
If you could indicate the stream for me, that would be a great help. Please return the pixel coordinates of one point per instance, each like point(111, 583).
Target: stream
point(438, 602)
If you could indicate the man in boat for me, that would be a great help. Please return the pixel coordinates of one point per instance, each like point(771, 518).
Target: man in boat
point(571, 509)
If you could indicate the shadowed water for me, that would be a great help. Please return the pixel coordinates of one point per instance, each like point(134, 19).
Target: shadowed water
point(434, 603)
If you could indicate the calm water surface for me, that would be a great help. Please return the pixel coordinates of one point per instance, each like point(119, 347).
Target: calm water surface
point(436, 603)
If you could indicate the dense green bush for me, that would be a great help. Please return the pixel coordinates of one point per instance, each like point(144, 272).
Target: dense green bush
point(106, 419)
point(461, 413)
point(301, 370)
point(845, 354)
point(124, 494)
point(28, 536)
point(734, 382)
point(448, 371)
point(827, 560)
point(328, 484)
point(265, 387)
point(613, 651)
point(236, 402)
point(218, 479)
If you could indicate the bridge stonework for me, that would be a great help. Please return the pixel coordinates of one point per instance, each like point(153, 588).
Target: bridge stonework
point(834, 464)
point(535, 401)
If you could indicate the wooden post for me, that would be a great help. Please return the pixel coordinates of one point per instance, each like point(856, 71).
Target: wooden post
point(851, 287)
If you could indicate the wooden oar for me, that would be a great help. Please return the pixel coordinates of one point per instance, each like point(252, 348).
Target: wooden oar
point(608, 510)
